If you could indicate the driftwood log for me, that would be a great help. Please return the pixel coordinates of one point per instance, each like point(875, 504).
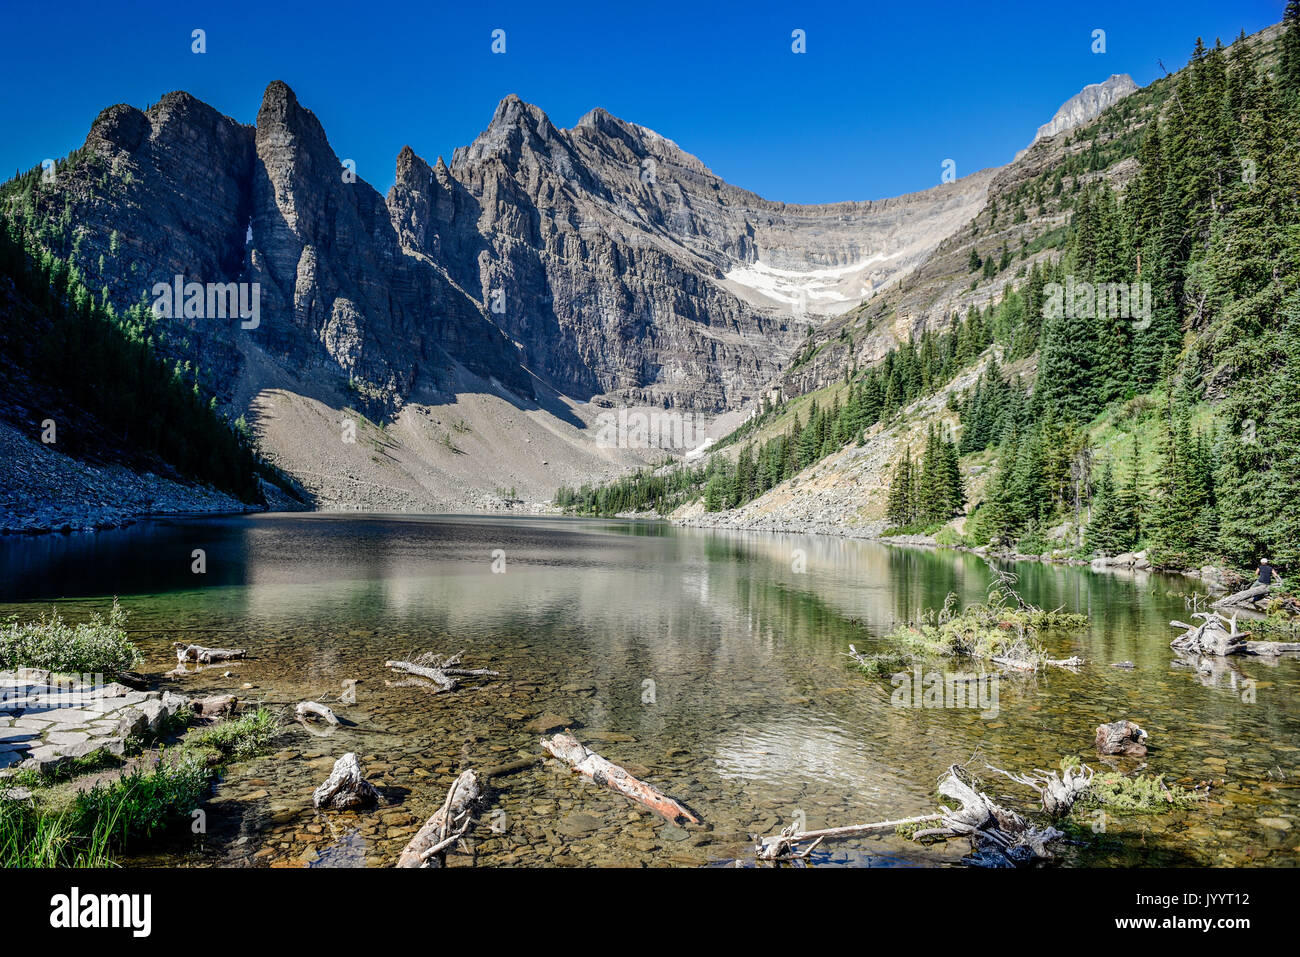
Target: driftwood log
point(586, 762)
point(311, 710)
point(1247, 596)
point(447, 827)
point(346, 787)
point(1121, 737)
point(205, 656)
point(1217, 636)
point(999, 837)
point(443, 673)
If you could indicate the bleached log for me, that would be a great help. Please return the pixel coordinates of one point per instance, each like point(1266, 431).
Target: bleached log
point(346, 787)
point(447, 825)
point(443, 672)
point(590, 764)
point(205, 656)
point(1247, 596)
point(311, 709)
point(444, 681)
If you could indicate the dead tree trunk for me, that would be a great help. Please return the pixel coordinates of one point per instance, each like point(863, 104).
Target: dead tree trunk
point(205, 656)
point(1121, 737)
point(590, 764)
point(448, 825)
point(1247, 596)
point(346, 787)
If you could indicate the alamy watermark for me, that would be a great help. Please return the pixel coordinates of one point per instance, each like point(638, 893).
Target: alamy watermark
point(179, 299)
point(974, 691)
point(1101, 300)
point(625, 429)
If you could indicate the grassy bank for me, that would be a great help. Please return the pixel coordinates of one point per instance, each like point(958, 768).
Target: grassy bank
point(62, 825)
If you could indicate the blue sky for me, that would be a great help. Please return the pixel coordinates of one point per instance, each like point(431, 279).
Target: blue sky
point(884, 94)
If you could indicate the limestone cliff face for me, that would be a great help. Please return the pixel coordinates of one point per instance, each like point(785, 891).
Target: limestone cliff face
point(603, 262)
point(1088, 104)
point(180, 189)
point(334, 271)
point(625, 269)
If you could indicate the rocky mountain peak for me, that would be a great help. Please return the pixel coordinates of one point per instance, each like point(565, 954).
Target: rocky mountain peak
point(1087, 105)
point(121, 127)
point(516, 127)
point(412, 170)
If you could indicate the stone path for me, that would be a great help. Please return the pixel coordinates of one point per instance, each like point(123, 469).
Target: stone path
point(47, 719)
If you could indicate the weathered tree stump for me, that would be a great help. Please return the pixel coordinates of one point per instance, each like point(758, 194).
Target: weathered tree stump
point(346, 787)
point(1121, 737)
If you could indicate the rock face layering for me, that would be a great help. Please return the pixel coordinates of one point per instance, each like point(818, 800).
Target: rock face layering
point(600, 261)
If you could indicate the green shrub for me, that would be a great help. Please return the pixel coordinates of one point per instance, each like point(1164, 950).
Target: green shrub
point(98, 646)
point(243, 737)
point(949, 536)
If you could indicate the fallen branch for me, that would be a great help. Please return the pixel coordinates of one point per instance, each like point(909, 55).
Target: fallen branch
point(446, 827)
point(590, 764)
point(782, 847)
point(443, 672)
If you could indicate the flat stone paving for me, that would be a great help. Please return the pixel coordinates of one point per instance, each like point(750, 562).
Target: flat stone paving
point(46, 719)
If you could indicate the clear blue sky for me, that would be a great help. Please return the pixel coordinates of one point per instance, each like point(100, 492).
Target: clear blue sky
point(884, 93)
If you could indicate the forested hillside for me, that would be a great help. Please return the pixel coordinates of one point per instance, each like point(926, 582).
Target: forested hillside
point(1142, 386)
point(93, 374)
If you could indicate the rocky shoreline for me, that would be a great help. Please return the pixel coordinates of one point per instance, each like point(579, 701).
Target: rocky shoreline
point(1216, 578)
point(43, 490)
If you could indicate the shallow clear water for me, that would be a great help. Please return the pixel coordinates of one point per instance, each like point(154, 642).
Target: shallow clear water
point(701, 660)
